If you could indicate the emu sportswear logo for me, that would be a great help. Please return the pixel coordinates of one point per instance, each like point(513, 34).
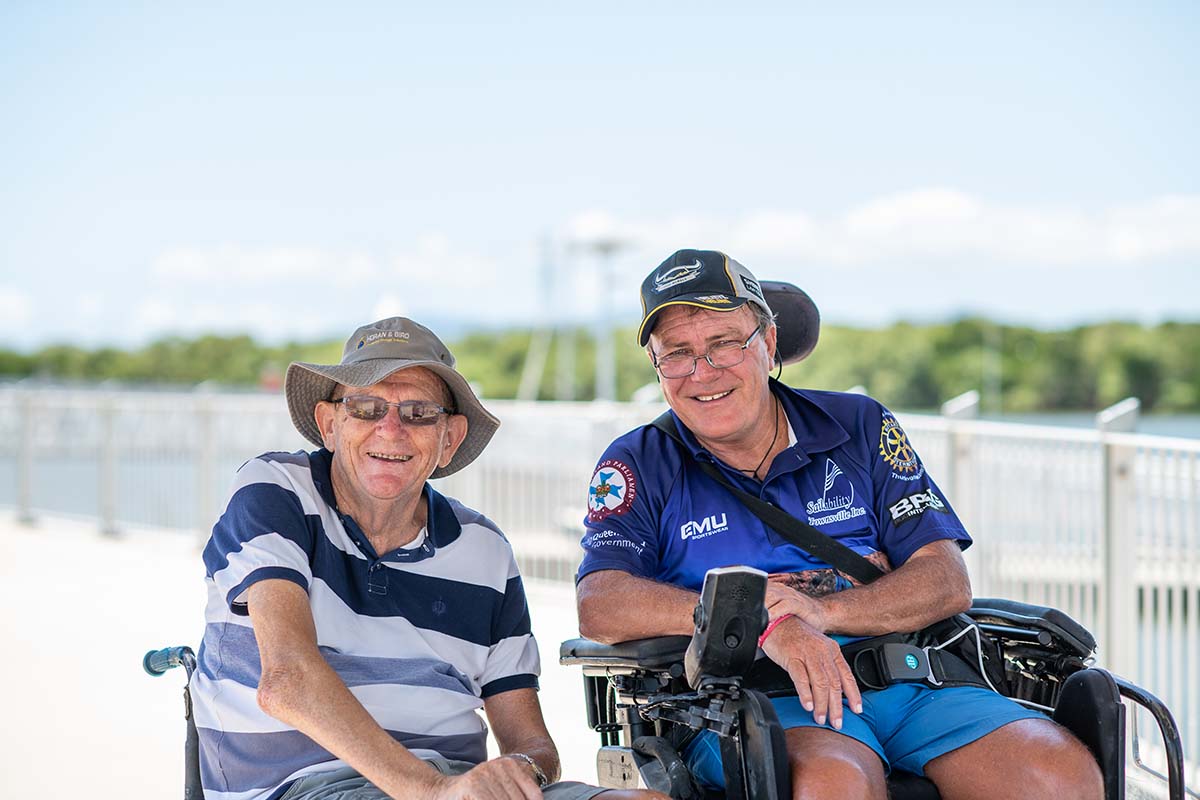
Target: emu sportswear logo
point(676, 275)
point(714, 523)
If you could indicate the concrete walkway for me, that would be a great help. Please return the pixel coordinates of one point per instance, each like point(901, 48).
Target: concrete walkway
point(77, 612)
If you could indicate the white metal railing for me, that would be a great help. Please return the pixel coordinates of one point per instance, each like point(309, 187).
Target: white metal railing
point(1102, 524)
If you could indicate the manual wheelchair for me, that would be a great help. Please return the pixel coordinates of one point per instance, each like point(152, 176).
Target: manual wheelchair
point(645, 697)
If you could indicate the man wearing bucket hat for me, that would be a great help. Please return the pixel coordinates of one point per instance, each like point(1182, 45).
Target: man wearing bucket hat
point(357, 619)
point(658, 519)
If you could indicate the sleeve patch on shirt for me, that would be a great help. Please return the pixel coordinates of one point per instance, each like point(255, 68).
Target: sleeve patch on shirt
point(610, 538)
point(909, 508)
point(612, 490)
point(897, 452)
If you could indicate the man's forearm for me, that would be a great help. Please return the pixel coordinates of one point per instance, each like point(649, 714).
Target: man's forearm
point(299, 688)
point(314, 700)
point(930, 586)
point(615, 606)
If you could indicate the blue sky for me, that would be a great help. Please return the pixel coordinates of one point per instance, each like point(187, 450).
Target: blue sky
point(294, 170)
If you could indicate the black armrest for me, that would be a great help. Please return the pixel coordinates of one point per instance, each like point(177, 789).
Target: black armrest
point(1025, 615)
point(657, 653)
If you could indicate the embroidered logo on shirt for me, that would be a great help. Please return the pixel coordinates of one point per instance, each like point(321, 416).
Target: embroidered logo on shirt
point(909, 508)
point(714, 523)
point(610, 538)
point(895, 449)
point(837, 498)
point(612, 490)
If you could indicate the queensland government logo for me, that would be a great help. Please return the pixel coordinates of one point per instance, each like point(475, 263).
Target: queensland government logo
point(612, 490)
point(837, 499)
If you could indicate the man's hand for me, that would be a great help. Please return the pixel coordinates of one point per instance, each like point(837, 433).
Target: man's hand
point(782, 599)
point(814, 663)
point(502, 778)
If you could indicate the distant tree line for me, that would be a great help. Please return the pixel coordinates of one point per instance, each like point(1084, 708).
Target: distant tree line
point(904, 365)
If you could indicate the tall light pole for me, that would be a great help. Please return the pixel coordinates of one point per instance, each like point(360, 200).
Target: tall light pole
point(603, 248)
point(542, 331)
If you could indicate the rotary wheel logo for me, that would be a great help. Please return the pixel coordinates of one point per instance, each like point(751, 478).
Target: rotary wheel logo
point(894, 446)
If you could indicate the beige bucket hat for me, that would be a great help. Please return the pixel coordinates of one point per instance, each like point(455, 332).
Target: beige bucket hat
point(371, 354)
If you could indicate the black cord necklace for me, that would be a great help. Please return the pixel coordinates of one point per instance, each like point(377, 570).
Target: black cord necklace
point(771, 446)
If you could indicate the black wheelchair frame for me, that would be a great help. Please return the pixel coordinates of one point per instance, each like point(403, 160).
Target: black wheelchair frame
point(642, 695)
point(646, 697)
point(156, 663)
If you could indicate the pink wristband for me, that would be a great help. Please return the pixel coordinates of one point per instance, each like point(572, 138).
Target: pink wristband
point(771, 626)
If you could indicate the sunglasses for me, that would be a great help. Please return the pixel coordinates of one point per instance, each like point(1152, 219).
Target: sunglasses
point(373, 409)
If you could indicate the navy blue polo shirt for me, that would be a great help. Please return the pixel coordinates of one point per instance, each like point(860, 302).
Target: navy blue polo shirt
point(849, 471)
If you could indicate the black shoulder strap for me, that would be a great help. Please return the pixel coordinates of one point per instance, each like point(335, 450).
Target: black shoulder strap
point(796, 531)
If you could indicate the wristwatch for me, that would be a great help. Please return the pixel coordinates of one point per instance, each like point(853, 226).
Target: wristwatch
point(538, 775)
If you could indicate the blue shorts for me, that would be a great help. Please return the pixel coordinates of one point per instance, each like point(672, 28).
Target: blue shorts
point(907, 725)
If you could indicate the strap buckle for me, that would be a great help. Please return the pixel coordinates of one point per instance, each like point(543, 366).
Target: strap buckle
point(894, 662)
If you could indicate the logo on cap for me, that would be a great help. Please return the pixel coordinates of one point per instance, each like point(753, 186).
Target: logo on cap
point(752, 287)
point(382, 336)
point(676, 275)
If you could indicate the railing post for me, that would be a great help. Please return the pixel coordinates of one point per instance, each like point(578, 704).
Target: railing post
point(1120, 540)
point(956, 484)
point(958, 453)
point(206, 460)
point(24, 400)
point(107, 494)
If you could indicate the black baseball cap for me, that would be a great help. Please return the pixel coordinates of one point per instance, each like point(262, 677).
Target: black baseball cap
point(713, 281)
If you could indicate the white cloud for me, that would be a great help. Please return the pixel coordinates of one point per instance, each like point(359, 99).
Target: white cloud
point(16, 309)
point(242, 266)
point(444, 277)
point(955, 250)
point(89, 306)
point(159, 314)
point(389, 305)
point(930, 225)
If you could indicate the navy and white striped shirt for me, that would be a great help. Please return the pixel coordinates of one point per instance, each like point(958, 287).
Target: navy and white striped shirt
point(419, 635)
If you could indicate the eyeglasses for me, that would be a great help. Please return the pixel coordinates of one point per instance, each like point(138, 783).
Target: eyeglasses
point(373, 409)
point(720, 356)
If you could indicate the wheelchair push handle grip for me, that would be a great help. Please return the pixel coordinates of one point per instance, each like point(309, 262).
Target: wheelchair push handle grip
point(156, 662)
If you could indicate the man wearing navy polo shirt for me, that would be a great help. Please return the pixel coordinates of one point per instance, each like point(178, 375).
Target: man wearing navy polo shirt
point(358, 620)
point(840, 462)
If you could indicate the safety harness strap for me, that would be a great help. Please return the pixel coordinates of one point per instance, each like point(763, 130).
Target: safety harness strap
point(881, 661)
point(877, 662)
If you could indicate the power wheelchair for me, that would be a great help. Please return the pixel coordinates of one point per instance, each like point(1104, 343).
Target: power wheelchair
point(645, 697)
